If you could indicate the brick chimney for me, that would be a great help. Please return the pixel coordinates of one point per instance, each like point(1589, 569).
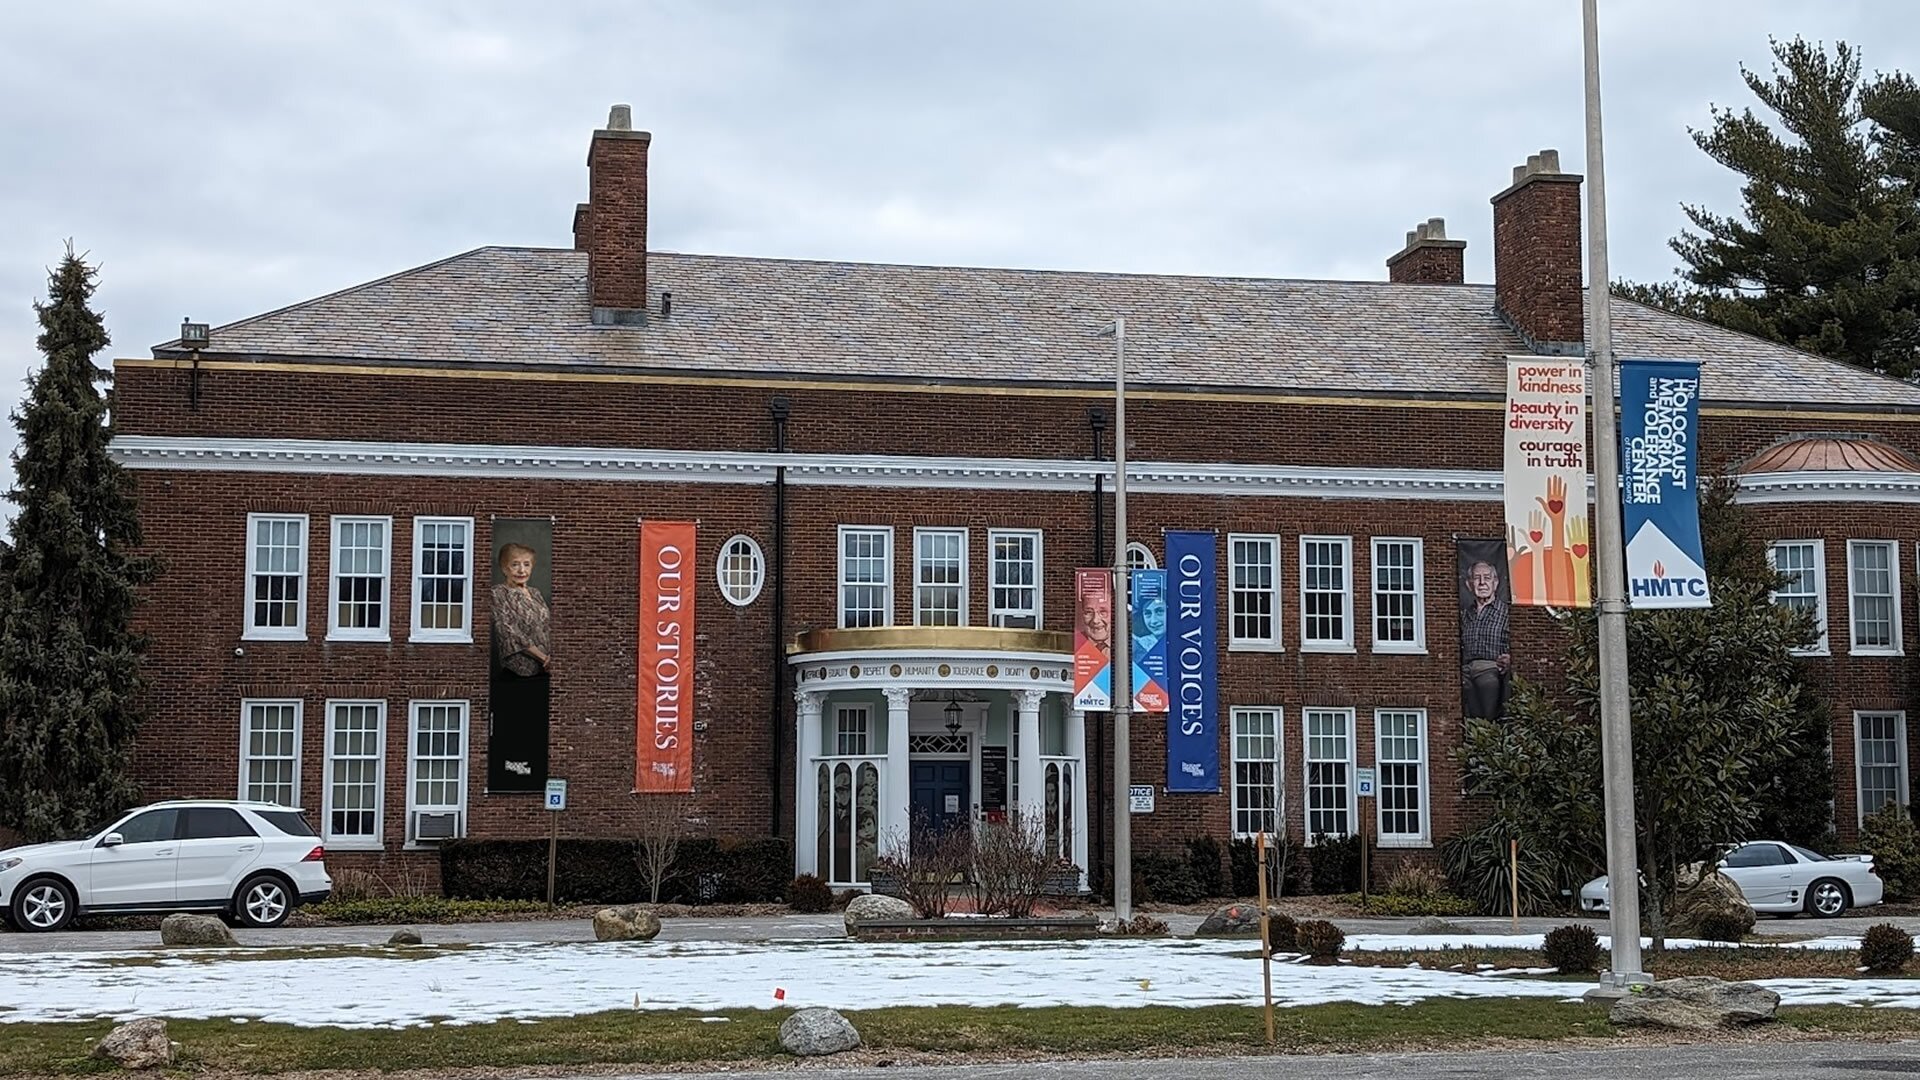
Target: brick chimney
point(612, 226)
point(1536, 256)
point(1429, 257)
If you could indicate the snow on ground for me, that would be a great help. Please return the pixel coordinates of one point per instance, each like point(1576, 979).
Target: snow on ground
point(370, 987)
point(1415, 942)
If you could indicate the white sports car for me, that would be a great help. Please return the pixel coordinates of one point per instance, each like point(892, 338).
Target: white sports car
point(1782, 879)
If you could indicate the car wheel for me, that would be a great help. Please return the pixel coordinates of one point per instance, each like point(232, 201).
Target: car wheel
point(1828, 898)
point(263, 900)
point(43, 905)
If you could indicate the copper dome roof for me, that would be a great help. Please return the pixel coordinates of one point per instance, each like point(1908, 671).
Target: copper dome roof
point(1830, 453)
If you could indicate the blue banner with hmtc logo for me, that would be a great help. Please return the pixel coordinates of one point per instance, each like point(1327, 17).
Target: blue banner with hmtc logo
point(1659, 452)
point(1193, 716)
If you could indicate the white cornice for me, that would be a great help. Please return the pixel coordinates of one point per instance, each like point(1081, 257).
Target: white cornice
point(316, 457)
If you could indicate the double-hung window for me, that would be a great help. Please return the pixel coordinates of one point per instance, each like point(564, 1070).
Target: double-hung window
point(940, 577)
point(1400, 753)
point(1015, 583)
point(852, 730)
point(358, 601)
point(1256, 771)
point(1880, 753)
point(1873, 596)
point(270, 751)
point(1803, 566)
point(356, 773)
point(1329, 761)
point(442, 579)
point(1326, 593)
point(1253, 592)
point(437, 763)
point(866, 576)
point(276, 577)
point(1399, 595)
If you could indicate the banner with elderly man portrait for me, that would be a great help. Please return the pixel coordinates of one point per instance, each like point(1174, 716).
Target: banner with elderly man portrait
point(1548, 529)
point(1486, 646)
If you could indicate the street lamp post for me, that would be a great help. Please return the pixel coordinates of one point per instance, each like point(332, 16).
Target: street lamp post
point(1616, 731)
point(1122, 674)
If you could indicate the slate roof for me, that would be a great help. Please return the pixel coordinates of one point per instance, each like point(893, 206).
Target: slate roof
point(784, 317)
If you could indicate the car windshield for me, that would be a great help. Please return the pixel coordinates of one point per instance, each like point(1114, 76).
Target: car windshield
point(1810, 856)
point(287, 821)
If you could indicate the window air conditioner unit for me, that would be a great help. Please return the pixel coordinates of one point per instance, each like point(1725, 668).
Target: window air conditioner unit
point(435, 825)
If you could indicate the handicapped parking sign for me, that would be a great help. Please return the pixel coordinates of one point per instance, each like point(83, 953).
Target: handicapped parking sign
point(556, 794)
point(1363, 783)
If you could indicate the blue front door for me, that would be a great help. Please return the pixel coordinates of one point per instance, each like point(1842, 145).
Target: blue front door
point(940, 796)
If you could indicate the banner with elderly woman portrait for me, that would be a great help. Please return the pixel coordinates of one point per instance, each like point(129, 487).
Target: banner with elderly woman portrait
point(521, 652)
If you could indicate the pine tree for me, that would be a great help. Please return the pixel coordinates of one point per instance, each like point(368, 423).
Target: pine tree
point(69, 661)
point(1825, 254)
point(1724, 725)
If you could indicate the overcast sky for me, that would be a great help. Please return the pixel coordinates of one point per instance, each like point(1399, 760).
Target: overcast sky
point(223, 159)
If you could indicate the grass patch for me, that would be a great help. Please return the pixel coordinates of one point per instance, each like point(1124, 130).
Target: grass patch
point(1732, 963)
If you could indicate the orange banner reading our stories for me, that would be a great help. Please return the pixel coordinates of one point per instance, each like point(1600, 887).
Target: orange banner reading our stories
point(664, 744)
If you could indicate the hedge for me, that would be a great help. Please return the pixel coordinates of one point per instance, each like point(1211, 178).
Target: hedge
point(602, 871)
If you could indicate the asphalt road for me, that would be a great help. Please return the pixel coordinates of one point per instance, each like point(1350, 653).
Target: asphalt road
point(1754, 1061)
point(784, 927)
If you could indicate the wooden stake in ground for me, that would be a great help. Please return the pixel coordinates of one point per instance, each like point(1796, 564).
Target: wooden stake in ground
point(1513, 878)
point(1266, 941)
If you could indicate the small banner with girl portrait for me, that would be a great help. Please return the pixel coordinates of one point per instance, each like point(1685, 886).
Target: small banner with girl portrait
point(522, 649)
point(1093, 640)
point(1548, 532)
point(1148, 652)
point(663, 743)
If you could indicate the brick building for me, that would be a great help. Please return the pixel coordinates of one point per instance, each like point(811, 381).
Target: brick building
point(894, 471)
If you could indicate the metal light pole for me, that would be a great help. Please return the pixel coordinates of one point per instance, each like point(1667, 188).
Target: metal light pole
point(1122, 639)
point(1616, 731)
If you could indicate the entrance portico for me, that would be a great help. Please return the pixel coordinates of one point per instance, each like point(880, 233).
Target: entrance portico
point(897, 726)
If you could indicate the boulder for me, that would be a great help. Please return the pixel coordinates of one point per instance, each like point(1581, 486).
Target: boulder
point(137, 1044)
point(195, 930)
point(872, 907)
point(627, 923)
point(1695, 1003)
point(1233, 920)
point(1433, 925)
point(405, 936)
point(1712, 908)
point(818, 1032)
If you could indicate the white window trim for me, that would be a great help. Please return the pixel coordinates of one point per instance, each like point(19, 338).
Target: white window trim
point(1306, 772)
point(335, 632)
point(1039, 576)
point(298, 631)
point(1147, 559)
point(413, 757)
point(465, 632)
point(1825, 645)
point(1345, 645)
point(354, 843)
point(1277, 643)
point(760, 569)
point(966, 552)
point(299, 743)
point(1424, 838)
point(864, 712)
point(1893, 578)
point(840, 571)
point(1900, 759)
point(1279, 763)
point(1418, 646)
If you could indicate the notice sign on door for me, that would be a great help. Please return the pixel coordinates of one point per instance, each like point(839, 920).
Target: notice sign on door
point(953, 804)
point(1140, 798)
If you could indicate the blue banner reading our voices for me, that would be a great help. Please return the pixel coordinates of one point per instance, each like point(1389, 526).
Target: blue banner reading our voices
point(1659, 451)
point(1193, 716)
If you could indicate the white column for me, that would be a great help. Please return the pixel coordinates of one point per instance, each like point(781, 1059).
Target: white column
point(1077, 750)
point(1033, 782)
point(896, 818)
point(806, 781)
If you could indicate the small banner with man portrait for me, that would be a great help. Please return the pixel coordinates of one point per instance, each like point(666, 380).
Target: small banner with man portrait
point(1093, 640)
point(1486, 650)
point(1549, 534)
point(1148, 651)
point(664, 742)
point(1659, 448)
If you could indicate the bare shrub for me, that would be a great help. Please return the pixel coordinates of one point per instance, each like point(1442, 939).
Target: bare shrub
point(1010, 866)
point(929, 862)
point(659, 823)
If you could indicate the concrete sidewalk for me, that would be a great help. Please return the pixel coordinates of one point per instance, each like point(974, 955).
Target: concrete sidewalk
point(781, 927)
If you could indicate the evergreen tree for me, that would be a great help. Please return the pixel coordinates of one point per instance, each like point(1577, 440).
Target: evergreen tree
point(1825, 255)
point(69, 661)
point(1724, 728)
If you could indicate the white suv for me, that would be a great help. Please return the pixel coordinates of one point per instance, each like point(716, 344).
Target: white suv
point(251, 862)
